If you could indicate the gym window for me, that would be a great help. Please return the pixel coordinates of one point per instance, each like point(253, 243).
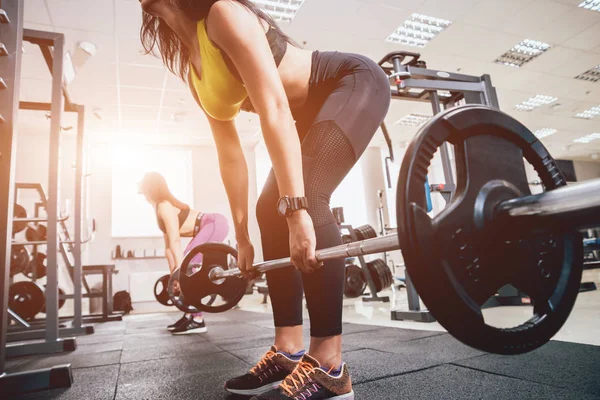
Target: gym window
point(132, 215)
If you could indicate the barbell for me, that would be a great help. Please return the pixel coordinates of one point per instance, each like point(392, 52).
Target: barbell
point(493, 232)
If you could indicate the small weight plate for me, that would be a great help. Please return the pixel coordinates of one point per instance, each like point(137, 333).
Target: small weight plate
point(199, 290)
point(26, 299)
point(355, 283)
point(161, 292)
point(19, 259)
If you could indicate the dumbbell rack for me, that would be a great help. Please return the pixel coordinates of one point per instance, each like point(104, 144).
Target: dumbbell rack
point(51, 44)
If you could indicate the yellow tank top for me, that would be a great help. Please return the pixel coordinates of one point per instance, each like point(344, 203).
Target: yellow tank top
point(220, 93)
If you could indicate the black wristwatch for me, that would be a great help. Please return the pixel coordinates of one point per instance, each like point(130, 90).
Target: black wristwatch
point(287, 205)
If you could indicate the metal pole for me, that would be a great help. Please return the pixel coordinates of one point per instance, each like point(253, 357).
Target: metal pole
point(446, 164)
point(53, 191)
point(11, 34)
point(489, 92)
point(77, 320)
point(572, 207)
point(354, 249)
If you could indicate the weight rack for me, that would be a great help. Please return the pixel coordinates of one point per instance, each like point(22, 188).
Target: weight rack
point(373, 295)
point(12, 35)
point(412, 81)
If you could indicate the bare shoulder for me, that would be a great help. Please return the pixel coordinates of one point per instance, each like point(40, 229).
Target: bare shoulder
point(229, 15)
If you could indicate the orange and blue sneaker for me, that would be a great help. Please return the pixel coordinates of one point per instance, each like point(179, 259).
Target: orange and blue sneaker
point(266, 375)
point(309, 381)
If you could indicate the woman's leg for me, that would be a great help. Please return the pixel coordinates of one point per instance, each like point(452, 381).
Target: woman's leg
point(285, 285)
point(343, 128)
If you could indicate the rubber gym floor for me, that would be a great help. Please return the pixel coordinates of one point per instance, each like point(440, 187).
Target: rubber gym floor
point(138, 359)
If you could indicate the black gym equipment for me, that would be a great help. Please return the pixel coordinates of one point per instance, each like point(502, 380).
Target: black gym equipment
point(36, 268)
point(492, 233)
point(26, 299)
point(365, 232)
point(200, 289)
point(177, 296)
point(355, 283)
point(19, 212)
point(61, 300)
point(37, 233)
point(381, 274)
point(19, 260)
point(161, 292)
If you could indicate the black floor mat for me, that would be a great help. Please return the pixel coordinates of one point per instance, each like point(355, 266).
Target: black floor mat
point(139, 359)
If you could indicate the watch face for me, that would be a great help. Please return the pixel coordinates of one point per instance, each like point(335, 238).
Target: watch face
point(282, 206)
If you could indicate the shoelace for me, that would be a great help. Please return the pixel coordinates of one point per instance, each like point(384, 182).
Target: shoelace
point(263, 361)
point(302, 371)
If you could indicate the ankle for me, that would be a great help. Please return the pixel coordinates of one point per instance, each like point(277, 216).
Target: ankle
point(290, 348)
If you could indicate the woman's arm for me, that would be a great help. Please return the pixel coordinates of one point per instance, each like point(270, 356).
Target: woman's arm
point(233, 169)
point(173, 250)
point(169, 255)
point(239, 34)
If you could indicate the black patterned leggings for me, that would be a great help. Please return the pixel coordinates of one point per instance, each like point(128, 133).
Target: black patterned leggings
point(348, 98)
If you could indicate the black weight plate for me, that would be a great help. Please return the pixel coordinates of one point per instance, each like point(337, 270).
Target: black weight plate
point(177, 297)
point(365, 232)
point(19, 212)
point(26, 299)
point(19, 259)
point(61, 302)
point(37, 266)
point(37, 234)
point(474, 255)
point(377, 275)
point(355, 283)
point(161, 293)
point(200, 290)
point(384, 273)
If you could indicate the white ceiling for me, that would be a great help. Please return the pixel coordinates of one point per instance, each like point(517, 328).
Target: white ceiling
point(136, 95)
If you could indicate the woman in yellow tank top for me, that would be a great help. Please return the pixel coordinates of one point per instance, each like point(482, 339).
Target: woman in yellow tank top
point(318, 113)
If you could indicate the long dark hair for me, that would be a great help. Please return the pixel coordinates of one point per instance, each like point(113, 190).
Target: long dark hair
point(155, 34)
point(155, 187)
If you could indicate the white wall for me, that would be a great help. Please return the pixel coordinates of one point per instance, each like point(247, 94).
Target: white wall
point(586, 170)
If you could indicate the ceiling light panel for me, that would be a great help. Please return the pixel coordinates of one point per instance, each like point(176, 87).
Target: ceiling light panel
point(588, 138)
point(534, 102)
point(280, 10)
point(523, 53)
point(545, 132)
point(592, 5)
point(418, 31)
point(590, 113)
point(413, 120)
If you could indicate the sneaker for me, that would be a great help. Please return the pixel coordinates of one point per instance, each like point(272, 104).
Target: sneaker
point(190, 326)
point(177, 323)
point(310, 382)
point(266, 375)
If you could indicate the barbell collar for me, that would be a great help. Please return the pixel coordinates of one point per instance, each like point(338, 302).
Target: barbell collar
point(368, 246)
point(573, 207)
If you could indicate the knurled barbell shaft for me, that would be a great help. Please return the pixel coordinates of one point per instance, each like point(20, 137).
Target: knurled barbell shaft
point(354, 249)
point(573, 207)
